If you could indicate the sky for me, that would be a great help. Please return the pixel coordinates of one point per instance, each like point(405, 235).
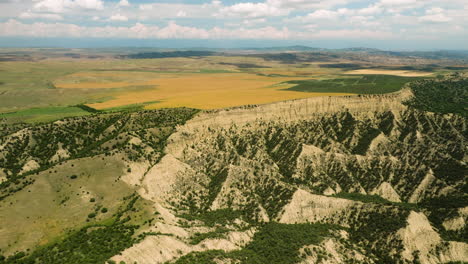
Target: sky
point(385, 24)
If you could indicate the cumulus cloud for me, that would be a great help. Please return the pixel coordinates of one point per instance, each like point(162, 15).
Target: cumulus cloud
point(307, 4)
point(277, 7)
point(60, 6)
point(321, 14)
point(397, 6)
point(124, 3)
point(342, 15)
point(181, 13)
point(302, 19)
point(88, 4)
point(353, 34)
point(55, 6)
point(118, 17)
point(144, 7)
point(371, 10)
point(174, 31)
point(32, 15)
point(216, 2)
point(436, 15)
point(252, 22)
point(252, 10)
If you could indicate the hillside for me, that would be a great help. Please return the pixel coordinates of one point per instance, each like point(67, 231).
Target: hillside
point(351, 179)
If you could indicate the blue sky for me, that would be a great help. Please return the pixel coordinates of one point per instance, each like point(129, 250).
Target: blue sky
point(388, 24)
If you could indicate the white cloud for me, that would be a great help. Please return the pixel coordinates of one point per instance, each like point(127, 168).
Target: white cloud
point(165, 10)
point(371, 10)
point(60, 6)
point(353, 34)
point(181, 13)
point(303, 19)
point(397, 6)
point(252, 22)
point(32, 15)
point(342, 16)
point(277, 7)
point(124, 3)
point(435, 15)
point(252, 10)
point(321, 14)
point(174, 31)
point(146, 7)
point(311, 27)
point(55, 6)
point(89, 4)
point(118, 17)
point(434, 10)
point(308, 4)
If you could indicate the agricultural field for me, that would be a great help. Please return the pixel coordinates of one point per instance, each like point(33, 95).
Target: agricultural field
point(44, 85)
point(202, 91)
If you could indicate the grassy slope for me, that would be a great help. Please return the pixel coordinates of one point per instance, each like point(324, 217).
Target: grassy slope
point(55, 202)
point(71, 195)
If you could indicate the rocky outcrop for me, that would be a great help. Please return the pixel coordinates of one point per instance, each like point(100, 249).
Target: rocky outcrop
point(305, 207)
point(157, 249)
point(421, 242)
point(278, 162)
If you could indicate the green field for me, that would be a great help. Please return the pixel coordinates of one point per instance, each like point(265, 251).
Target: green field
point(367, 84)
point(45, 114)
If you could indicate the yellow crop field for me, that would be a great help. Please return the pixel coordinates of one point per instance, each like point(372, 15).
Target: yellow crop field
point(203, 91)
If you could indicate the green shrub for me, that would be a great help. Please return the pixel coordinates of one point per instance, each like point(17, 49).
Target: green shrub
point(274, 243)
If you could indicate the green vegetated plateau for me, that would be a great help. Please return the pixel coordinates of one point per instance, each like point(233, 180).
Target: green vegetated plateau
point(367, 84)
point(79, 162)
point(449, 94)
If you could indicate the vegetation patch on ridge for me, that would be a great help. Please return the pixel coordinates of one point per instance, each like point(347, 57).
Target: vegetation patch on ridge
point(367, 84)
point(274, 243)
point(447, 95)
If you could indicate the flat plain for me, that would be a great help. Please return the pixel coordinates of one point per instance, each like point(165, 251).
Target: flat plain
point(49, 85)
